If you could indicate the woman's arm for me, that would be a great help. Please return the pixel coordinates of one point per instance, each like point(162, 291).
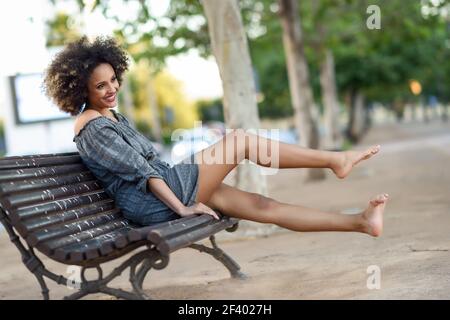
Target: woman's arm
point(161, 190)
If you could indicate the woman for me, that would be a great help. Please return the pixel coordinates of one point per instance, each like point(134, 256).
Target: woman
point(84, 80)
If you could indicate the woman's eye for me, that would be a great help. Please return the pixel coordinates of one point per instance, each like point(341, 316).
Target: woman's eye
point(100, 86)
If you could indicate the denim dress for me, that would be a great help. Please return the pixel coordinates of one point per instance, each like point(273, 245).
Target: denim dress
point(123, 160)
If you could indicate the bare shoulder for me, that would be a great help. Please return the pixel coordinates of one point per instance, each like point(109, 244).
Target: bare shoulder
point(84, 118)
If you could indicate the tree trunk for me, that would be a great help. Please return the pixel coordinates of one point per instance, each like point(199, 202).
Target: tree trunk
point(153, 105)
point(333, 136)
point(230, 48)
point(128, 106)
point(444, 115)
point(301, 93)
point(356, 126)
point(425, 109)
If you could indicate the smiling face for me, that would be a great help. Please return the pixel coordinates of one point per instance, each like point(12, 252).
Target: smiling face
point(103, 87)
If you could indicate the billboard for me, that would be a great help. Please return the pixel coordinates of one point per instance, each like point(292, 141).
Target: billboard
point(31, 105)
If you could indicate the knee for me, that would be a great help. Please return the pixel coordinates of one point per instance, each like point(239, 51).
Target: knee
point(266, 206)
point(261, 202)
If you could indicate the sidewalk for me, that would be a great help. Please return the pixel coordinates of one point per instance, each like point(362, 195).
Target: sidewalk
point(413, 253)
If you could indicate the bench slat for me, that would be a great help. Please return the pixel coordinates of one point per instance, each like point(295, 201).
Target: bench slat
point(29, 212)
point(74, 227)
point(51, 194)
point(48, 247)
point(43, 161)
point(68, 216)
point(169, 245)
point(158, 234)
point(93, 248)
point(47, 183)
point(35, 156)
point(32, 173)
point(143, 232)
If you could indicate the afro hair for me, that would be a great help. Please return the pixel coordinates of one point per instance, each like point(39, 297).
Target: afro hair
point(67, 76)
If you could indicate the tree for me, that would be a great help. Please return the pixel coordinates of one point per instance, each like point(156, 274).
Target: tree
point(128, 100)
point(327, 21)
point(61, 30)
point(301, 93)
point(379, 64)
point(229, 44)
point(333, 137)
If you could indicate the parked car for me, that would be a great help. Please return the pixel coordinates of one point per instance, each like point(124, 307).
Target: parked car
point(193, 141)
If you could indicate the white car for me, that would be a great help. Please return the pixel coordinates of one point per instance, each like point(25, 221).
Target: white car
point(193, 141)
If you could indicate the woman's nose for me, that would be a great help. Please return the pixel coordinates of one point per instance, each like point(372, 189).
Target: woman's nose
point(111, 88)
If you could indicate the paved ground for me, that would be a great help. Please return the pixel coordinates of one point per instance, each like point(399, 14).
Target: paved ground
point(412, 255)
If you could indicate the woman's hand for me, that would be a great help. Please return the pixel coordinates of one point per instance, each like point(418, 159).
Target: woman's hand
point(196, 208)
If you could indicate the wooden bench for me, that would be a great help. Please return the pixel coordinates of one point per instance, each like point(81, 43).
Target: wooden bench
point(53, 204)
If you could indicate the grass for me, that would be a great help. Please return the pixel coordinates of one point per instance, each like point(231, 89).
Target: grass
point(347, 145)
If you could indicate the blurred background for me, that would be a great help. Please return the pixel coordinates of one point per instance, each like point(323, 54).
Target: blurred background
point(365, 62)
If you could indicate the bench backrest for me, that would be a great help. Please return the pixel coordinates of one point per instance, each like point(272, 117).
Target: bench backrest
point(56, 204)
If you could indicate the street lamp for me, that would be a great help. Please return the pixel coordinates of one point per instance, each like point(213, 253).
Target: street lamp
point(415, 86)
point(416, 89)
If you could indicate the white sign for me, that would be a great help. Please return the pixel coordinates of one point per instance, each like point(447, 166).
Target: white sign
point(30, 103)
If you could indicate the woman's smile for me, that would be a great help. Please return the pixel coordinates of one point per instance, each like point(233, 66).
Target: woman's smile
point(111, 98)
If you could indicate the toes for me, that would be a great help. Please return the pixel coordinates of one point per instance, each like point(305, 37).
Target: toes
point(379, 199)
point(370, 152)
point(364, 156)
point(375, 149)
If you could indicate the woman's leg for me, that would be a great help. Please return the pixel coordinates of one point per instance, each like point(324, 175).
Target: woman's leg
point(254, 207)
point(239, 145)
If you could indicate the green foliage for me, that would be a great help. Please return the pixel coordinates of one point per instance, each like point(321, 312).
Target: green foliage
point(381, 62)
point(272, 81)
point(167, 93)
point(413, 43)
point(144, 127)
point(153, 39)
point(347, 145)
point(61, 30)
point(167, 137)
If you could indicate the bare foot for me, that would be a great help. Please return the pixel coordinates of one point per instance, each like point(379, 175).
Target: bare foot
point(346, 160)
point(373, 215)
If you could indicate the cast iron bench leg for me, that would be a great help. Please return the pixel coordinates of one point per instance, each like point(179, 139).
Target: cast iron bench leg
point(221, 256)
